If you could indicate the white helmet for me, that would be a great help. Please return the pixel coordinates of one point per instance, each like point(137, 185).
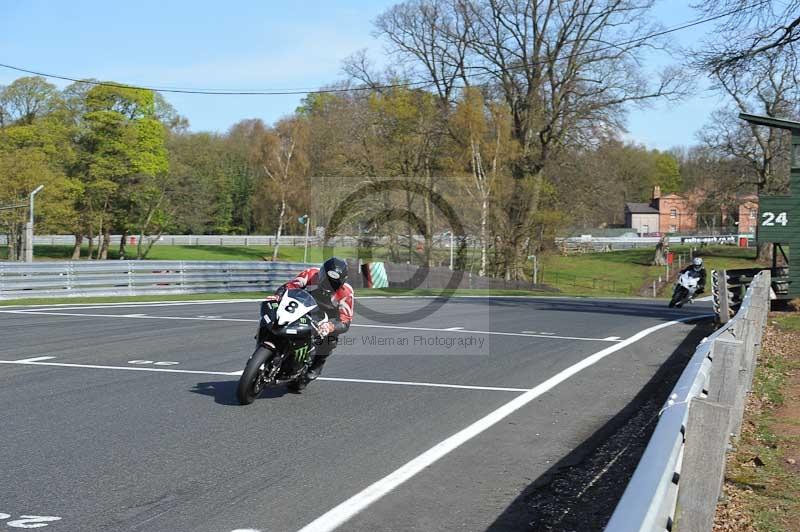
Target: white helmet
point(697, 263)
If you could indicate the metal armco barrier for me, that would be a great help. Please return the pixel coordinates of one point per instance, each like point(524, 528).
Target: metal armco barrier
point(679, 478)
point(132, 278)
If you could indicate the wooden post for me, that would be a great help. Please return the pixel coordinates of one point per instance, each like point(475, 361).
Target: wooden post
point(724, 378)
point(703, 466)
point(722, 287)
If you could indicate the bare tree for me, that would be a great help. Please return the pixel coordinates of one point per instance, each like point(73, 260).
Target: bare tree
point(564, 69)
point(281, 154)
point(747, 29)
point(766, 86)
point(432, 37)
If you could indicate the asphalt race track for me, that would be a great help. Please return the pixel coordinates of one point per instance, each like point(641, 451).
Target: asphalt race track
point(124, 417)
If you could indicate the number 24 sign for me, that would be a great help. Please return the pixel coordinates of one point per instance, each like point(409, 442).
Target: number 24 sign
point(770, 219)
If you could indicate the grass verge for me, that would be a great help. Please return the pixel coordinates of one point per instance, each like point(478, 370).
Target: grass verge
point(628, 272)
point(762, 480)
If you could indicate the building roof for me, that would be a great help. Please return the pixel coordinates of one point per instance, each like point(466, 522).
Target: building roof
point(640, 208)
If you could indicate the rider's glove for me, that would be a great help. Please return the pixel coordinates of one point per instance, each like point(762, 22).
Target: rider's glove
point(325, 329)
point(273, 297)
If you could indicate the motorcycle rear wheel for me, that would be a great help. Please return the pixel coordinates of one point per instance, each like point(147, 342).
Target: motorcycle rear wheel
point(252, 381)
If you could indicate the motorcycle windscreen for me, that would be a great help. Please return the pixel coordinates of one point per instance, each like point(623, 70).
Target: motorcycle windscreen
point(295, 304)
point(689, 280)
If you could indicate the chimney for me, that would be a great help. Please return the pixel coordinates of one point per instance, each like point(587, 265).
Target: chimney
point(656, 192)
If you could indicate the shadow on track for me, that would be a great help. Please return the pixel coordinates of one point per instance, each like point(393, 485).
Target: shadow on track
point(224, 392)
point(643, 308)
point(581, 491)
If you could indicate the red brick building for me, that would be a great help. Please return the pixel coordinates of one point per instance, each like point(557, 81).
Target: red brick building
point(669, 213)
point(748, 214)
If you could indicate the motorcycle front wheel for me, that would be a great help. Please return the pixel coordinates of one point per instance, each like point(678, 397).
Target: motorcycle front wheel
point(253, 381)
point(677, 296)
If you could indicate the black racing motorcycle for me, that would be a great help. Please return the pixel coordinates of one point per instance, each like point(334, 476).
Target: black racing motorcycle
point(286, 341)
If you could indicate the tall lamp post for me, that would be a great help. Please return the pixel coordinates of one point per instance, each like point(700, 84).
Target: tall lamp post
point(452, 238)
point(305, 221)
point(29, 229)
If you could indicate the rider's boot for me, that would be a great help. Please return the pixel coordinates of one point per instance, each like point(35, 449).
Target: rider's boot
point(316, 367)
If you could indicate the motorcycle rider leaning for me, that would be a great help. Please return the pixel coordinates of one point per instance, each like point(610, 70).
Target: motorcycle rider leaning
point(334, 296)
point(697, 270)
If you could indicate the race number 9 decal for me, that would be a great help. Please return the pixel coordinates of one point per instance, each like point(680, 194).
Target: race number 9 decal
point(770, 219)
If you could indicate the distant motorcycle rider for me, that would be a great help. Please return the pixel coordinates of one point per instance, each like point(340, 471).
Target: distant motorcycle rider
point(334, 296)
point(697, 270)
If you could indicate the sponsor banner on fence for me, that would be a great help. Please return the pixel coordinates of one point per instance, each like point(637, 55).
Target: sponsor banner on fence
point(716, 239)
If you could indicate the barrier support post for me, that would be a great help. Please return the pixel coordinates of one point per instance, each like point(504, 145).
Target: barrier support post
point(704, 464)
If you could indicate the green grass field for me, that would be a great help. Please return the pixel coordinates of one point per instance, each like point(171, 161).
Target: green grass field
point(626, 272)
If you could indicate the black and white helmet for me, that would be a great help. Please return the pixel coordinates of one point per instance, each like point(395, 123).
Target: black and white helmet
point(697, 263)
point(333, 273)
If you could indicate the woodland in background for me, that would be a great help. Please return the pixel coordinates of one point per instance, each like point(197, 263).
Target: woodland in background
point(520, 128)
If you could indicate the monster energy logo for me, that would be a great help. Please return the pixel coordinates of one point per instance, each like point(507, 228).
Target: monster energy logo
point(301, 353)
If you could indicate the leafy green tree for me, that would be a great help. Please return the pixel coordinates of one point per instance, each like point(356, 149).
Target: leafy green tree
point(667, 172)
point(24, 169)
point(26, 99)
point(124, 161)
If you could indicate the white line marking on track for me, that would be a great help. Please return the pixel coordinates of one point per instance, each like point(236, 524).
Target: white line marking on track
point(612, 338)
point(133, 316)
point(453, 328)
point(38, 362)
point(342, 513)
point(122, 368)
point(499, 333)
point(242, 320)
point(129, 304)
point(36, 359)
point(428, 384)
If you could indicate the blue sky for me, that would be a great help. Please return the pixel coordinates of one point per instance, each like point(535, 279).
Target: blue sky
point(251, 45)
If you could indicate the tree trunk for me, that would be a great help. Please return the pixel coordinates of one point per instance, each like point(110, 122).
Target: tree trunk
point(99, 245)
point(280, 226)
point(484, 214)
point(76, 251)
point(523, 202)
point(91, 242)
point(428, 220)
point(123, 240)
point(660, 257)
point(12, 242)
point(106, 242)
point(764, 251)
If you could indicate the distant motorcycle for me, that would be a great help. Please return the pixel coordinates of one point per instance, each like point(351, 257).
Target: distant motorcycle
point(285, 343)
point(685, 289)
